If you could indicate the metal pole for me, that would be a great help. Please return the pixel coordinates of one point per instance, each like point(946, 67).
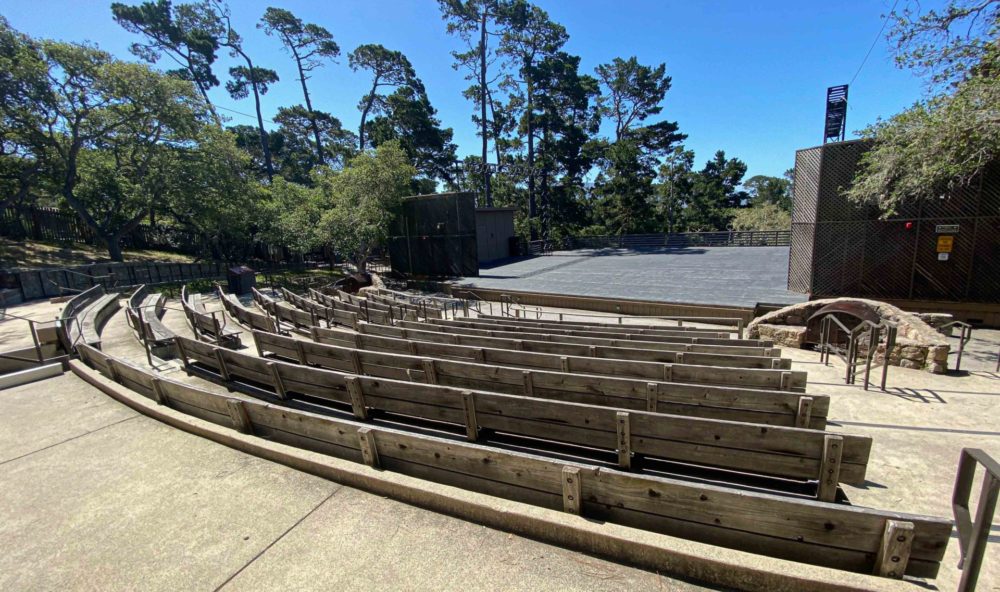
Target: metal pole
point(961, 347)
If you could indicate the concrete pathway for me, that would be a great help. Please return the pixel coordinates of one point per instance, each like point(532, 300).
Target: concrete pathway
point(94, 496)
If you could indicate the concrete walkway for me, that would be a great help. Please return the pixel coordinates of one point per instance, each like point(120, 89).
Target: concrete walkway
point(94, 496)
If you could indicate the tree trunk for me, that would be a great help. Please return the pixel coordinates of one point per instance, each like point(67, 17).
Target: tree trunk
point(264, 144)
point(482, 106)
point(114, 247)
point(364, 116)
point(532, 210)
point(309, 107)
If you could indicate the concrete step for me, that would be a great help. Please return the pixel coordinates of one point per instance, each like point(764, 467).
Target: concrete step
point(30, 375)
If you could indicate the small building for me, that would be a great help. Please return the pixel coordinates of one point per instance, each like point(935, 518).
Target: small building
point(941, 255)
point(494, 231)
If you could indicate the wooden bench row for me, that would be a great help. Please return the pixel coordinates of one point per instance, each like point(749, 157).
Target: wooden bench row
point(668, 331)
point(692, 356)
point(832, 535)
point(330, 314)
point(367, 313)
point(584, 337)
point(518, 373)
point(395, 312)
point(689, 371)
point(206, 325)
point(248, 318)
point(420, 310)
point(608, 332)
point(785, 452)
point(143, 314)
point(85, 315)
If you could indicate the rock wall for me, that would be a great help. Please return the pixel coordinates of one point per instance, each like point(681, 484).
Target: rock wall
point(918, 345)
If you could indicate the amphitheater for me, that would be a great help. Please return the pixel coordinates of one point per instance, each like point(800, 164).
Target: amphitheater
point(218, 441)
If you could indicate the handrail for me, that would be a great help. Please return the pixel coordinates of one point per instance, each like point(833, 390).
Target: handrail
point(40, 358)
point(963, 338)
point(850, 356)
point(973, 535)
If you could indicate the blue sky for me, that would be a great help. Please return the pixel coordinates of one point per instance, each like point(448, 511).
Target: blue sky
point(749, 77)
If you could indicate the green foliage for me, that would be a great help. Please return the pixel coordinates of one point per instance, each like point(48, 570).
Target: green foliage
point(947, 140)
point(715, 193)
point(359, 202)
point(769, 190)
point(762, 216)
point(388, 69)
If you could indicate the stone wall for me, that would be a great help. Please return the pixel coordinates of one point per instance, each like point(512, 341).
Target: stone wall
point(918, 345)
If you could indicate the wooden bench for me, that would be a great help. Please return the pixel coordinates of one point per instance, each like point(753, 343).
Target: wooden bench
point(143, 314)
point(783, 452)
point(758, 378)
point(609, 331)
point(586, 337)
point(664, 330)
point(85, 315)
point(243, 315)
point(680, 354)
point(416, 310)
point(831, 535)
point(540, 379)
point(206, 325)
point(369, 314)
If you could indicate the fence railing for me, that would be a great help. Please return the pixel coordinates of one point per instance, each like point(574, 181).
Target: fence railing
point(725, 238)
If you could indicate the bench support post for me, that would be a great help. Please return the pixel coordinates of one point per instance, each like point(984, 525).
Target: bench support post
point(652, 396)
point(572, 490)
point(238, 413)
point(829, 468)
point(430, 371)
point(369, 452)
point(624, 440)
point(471, 423)
point(357, 397)
point(529, 383)
point(804, 413)
point(279, 384)
point(894, 551)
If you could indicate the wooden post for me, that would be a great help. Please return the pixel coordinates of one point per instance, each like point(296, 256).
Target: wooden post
point(223, 370)
point(357, 397)
point(894, 552)
point(776, 364)
point(564, 363)
point(592, 351)
point(359, 342)
point(668, 373)
point(786, 381)
point(369, 452)
point(480, 355)
point(113, 370)
point(412, 345)
point(182, 355)
point(238, 413)
point(300, 349)
point(652, 396)
point(518, 345)
point(159, 395)
point(279, 384)
point(572, 490)
point(624, 440)
point(529, 383)
point(256, 341)
point(430, 372)
point(359, 369)
point(679, 358)
point(829, 468)
point(471, 424)
point(804, 413)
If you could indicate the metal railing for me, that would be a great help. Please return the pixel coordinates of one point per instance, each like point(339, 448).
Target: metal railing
point(865, 330)
point(963, 339)
point(723, 238)
point(39, 356)
point(973, 534)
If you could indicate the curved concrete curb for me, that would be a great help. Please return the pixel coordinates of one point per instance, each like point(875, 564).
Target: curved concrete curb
point(655, 552)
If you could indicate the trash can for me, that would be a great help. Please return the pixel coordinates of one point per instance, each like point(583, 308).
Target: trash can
point(241, 279)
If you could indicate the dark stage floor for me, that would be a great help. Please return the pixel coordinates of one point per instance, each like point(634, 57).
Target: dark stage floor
point(731, 276)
